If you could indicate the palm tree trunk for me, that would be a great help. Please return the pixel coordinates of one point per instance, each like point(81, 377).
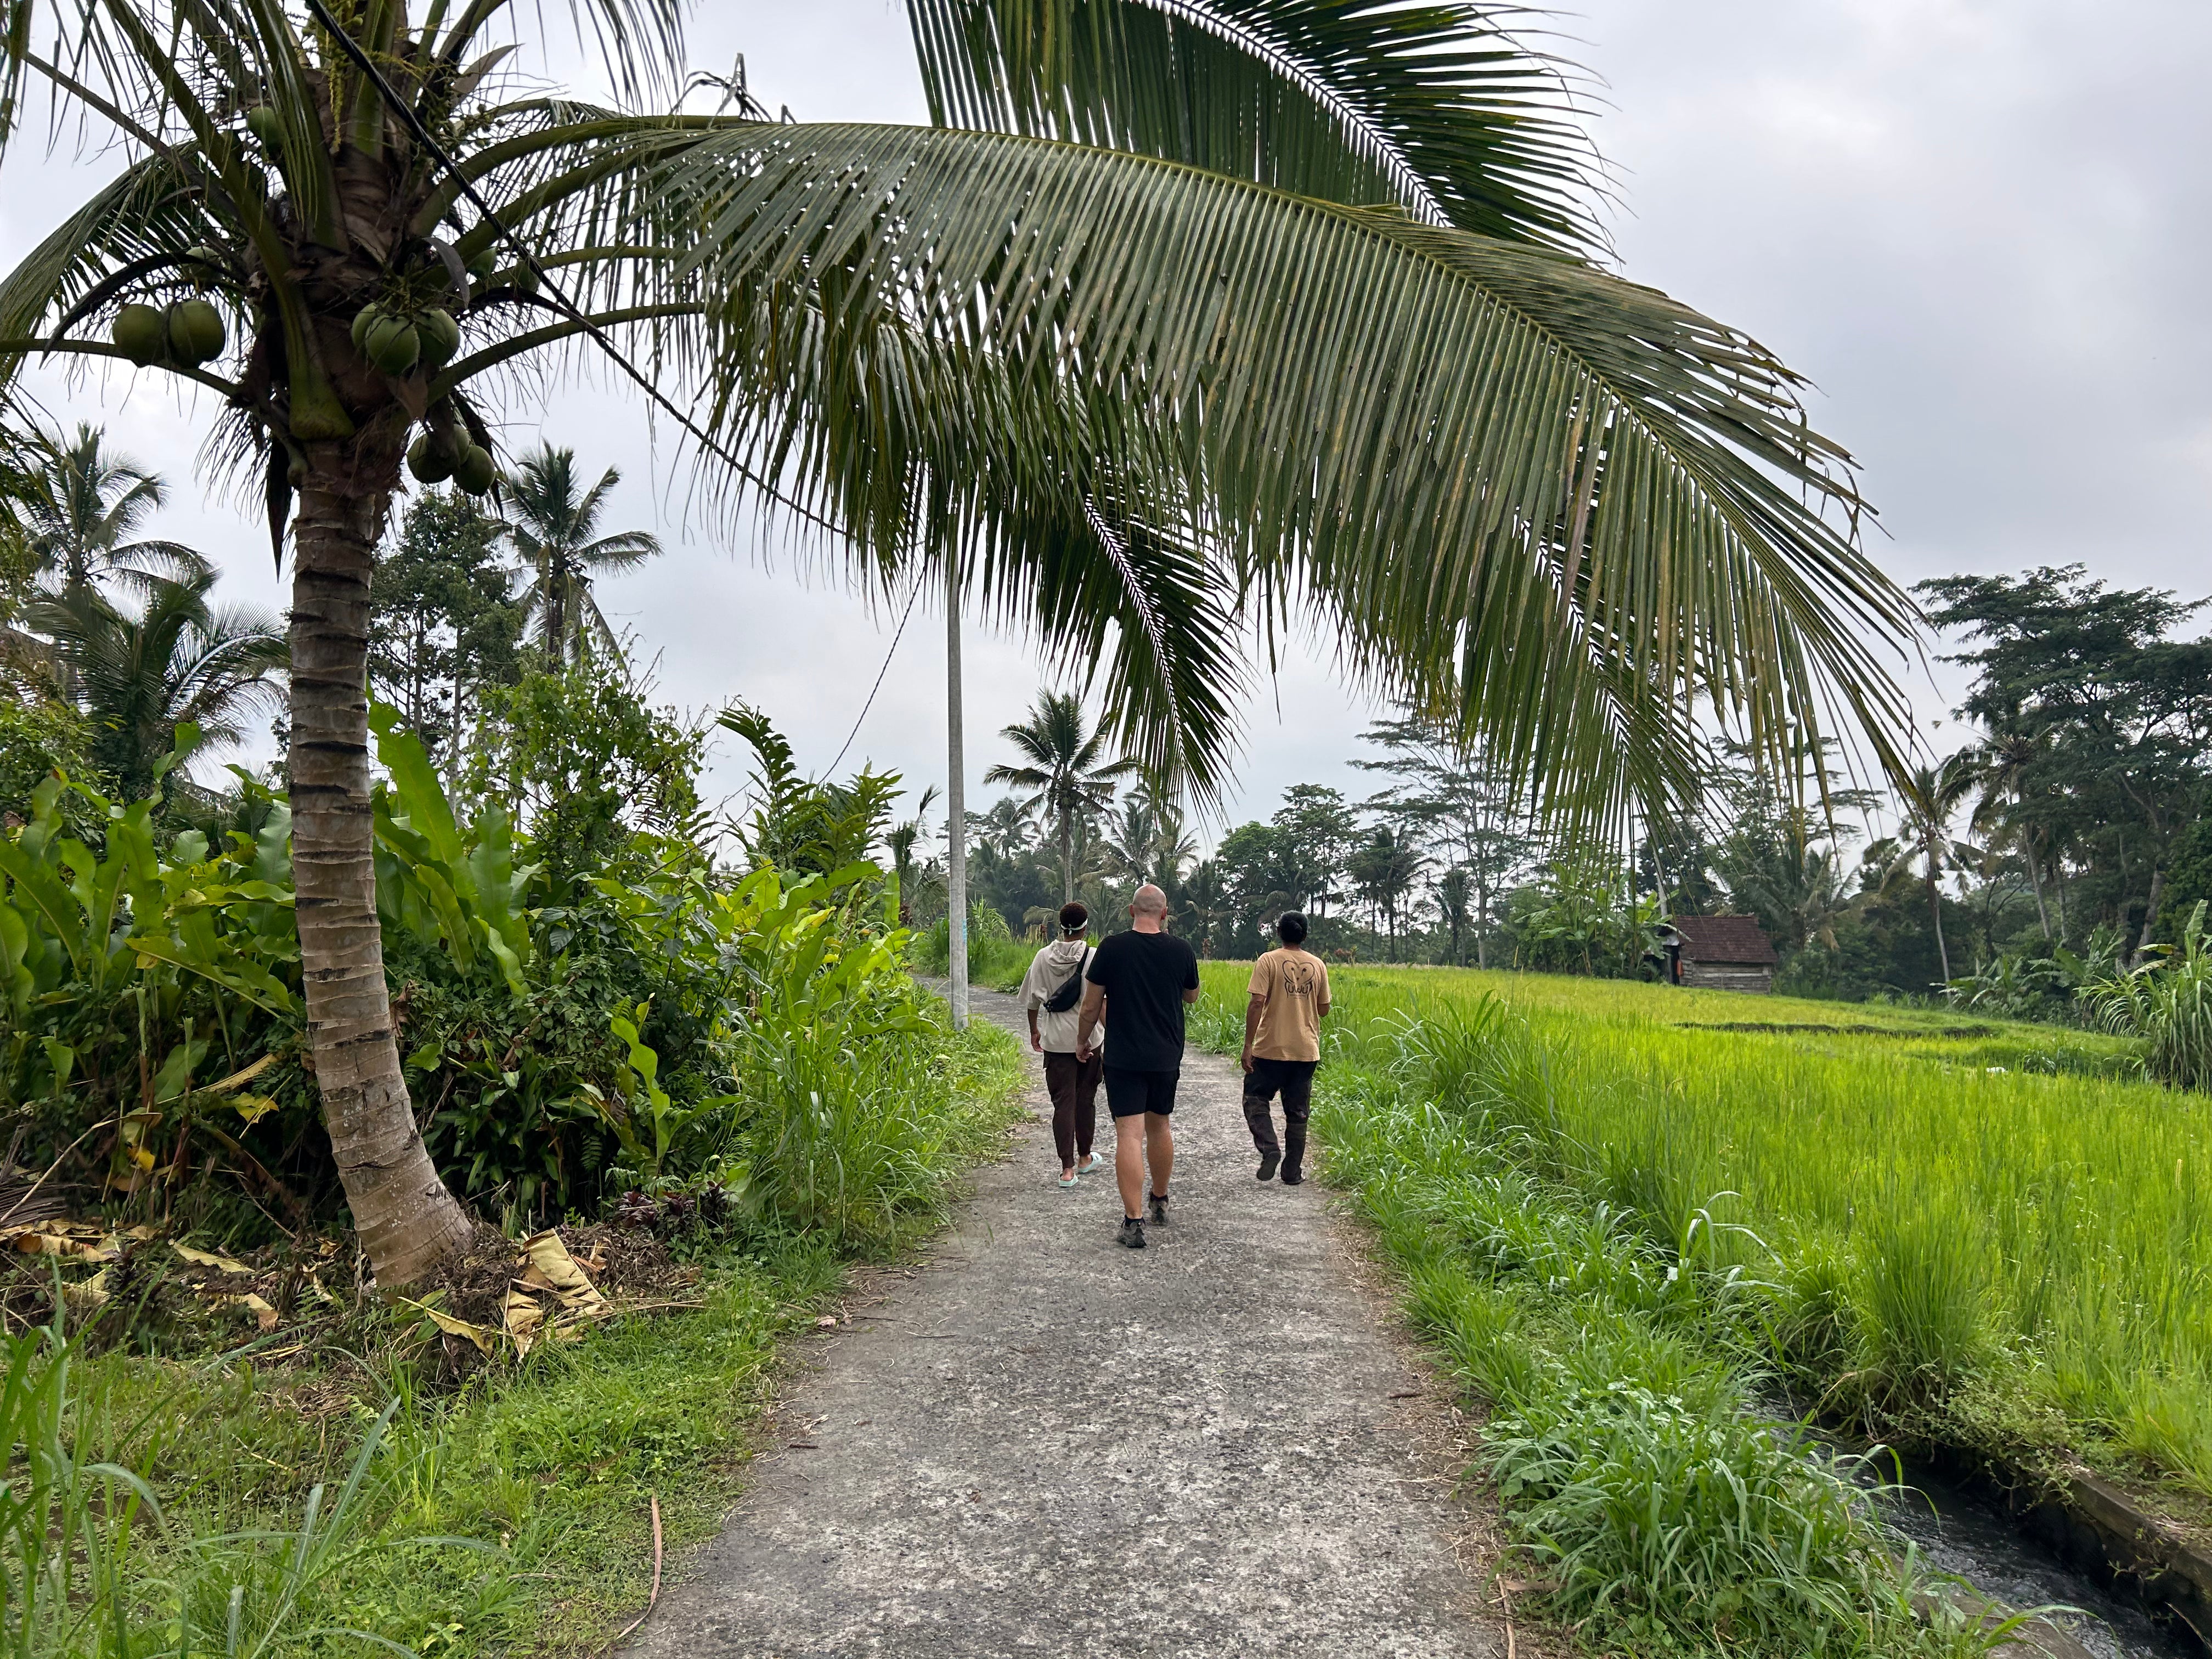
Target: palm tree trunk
point(1066, 854)
point(1935, 916)
point(406, 1220)
point(2035, 880)
point(2150, 915)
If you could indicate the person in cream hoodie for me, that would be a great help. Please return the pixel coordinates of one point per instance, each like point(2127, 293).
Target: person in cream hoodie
point(1052, 995)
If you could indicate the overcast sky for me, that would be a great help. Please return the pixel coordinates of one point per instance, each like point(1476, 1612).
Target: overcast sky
point(1980, 228)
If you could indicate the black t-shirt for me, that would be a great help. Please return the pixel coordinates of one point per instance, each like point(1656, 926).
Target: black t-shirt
point(1144, 976)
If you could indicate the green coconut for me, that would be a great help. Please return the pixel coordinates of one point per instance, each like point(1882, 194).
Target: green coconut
point(296, 474)
point(196, 332)
point(142, 333)
point(265, 124)
point(392, 345)
point(440, 335)
point(361, 319)
point(524, 278)
point(429, 461)
point(473, 472)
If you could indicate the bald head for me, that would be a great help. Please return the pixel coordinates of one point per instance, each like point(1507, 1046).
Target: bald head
point(1149, 908)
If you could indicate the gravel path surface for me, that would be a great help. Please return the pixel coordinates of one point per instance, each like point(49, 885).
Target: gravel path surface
point(1045, 1445)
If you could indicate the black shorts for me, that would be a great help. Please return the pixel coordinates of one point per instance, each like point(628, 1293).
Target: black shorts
point(1132, 1094)
point(1294, 1077)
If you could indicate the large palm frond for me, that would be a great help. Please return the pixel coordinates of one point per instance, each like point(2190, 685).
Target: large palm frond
point(1571, 503)
point(1437, 108)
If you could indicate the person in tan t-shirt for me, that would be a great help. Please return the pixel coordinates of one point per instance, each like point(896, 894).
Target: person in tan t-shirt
point(1282, 1046)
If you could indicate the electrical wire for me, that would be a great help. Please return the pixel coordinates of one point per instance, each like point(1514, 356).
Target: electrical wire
point(879, 685)
point(522, 251)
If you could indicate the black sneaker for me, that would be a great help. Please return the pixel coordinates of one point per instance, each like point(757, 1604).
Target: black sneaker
point(1159, 1209)
point(1267, 1162)
point(1290, 1176)
point(1133, 1232)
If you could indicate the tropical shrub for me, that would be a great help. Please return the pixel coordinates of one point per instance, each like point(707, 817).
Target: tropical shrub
point(663, 1029)
point(2167, 1004)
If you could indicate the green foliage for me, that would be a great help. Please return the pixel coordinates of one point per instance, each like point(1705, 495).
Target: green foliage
point(185, 956)
point(70, 1524)
point(995, 957)
point(800, 827)
point(174, 660)
point(441, 624)
point(582, 762)
point(1582, 917)
point(38, 740)
point(2166, 1004)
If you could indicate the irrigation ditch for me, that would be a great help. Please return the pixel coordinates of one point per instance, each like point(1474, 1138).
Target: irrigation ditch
point(2146, 1590)
point(2138, 1584)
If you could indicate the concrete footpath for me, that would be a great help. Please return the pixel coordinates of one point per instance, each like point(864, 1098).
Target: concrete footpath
point(1042, 1444)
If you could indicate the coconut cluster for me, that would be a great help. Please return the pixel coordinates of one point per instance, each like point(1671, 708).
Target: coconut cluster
point(184, 335)
point(399, 343)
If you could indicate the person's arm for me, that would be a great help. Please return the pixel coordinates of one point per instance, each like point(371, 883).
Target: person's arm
point(1255, 1005)
point(1037, 1043)
point(1320, 1008)
point(1086, 1025)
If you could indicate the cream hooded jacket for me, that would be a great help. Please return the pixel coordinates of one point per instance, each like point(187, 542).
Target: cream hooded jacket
point(1047, 973)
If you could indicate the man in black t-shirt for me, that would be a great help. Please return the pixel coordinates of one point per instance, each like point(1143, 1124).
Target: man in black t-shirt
point(1147, 975)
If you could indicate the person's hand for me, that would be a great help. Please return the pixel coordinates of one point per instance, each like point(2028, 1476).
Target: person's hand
point(1037, 1043)
point(1247, 1059)
point(1084, 1052)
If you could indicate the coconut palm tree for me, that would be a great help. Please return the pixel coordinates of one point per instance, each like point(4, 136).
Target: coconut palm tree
point(82, 507)
point(1930, 797)
point(554, 528)
point(1066, 774)
point(1183, 311)
point(1383, 870)
point(175, 661)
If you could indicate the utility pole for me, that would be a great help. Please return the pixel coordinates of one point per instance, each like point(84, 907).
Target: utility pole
point(956, 800)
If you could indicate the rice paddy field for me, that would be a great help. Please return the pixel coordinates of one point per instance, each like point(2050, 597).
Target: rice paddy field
point(1979, 1231)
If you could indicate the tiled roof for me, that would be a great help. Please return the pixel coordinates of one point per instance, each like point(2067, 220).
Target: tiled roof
point(1724, 938)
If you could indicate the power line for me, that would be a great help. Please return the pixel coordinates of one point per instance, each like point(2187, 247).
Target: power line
point(422, 134)
point(880, 672)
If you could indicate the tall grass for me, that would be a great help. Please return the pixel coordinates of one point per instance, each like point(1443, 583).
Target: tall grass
point(2027, 1254)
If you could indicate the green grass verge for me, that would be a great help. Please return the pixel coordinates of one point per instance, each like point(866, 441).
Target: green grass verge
point(548, 1468)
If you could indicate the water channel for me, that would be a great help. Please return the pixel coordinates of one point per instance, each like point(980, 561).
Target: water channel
point(1962, 1532)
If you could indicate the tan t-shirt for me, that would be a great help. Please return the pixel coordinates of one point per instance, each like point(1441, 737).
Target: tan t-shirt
point(1295, 985)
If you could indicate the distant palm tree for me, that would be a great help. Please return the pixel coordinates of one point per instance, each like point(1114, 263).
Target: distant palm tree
point(1930, 796)
point(82, 507)
point(904, 842)
point(1384, 869)
point(554, 528)
point(1006, 830)
point(1148, 842)
point(138, 678)
point(1454, 889)
point(2002, 769)
point(1066, 777)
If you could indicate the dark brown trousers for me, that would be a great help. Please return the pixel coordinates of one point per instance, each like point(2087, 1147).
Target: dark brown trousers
point(1073, 1085)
